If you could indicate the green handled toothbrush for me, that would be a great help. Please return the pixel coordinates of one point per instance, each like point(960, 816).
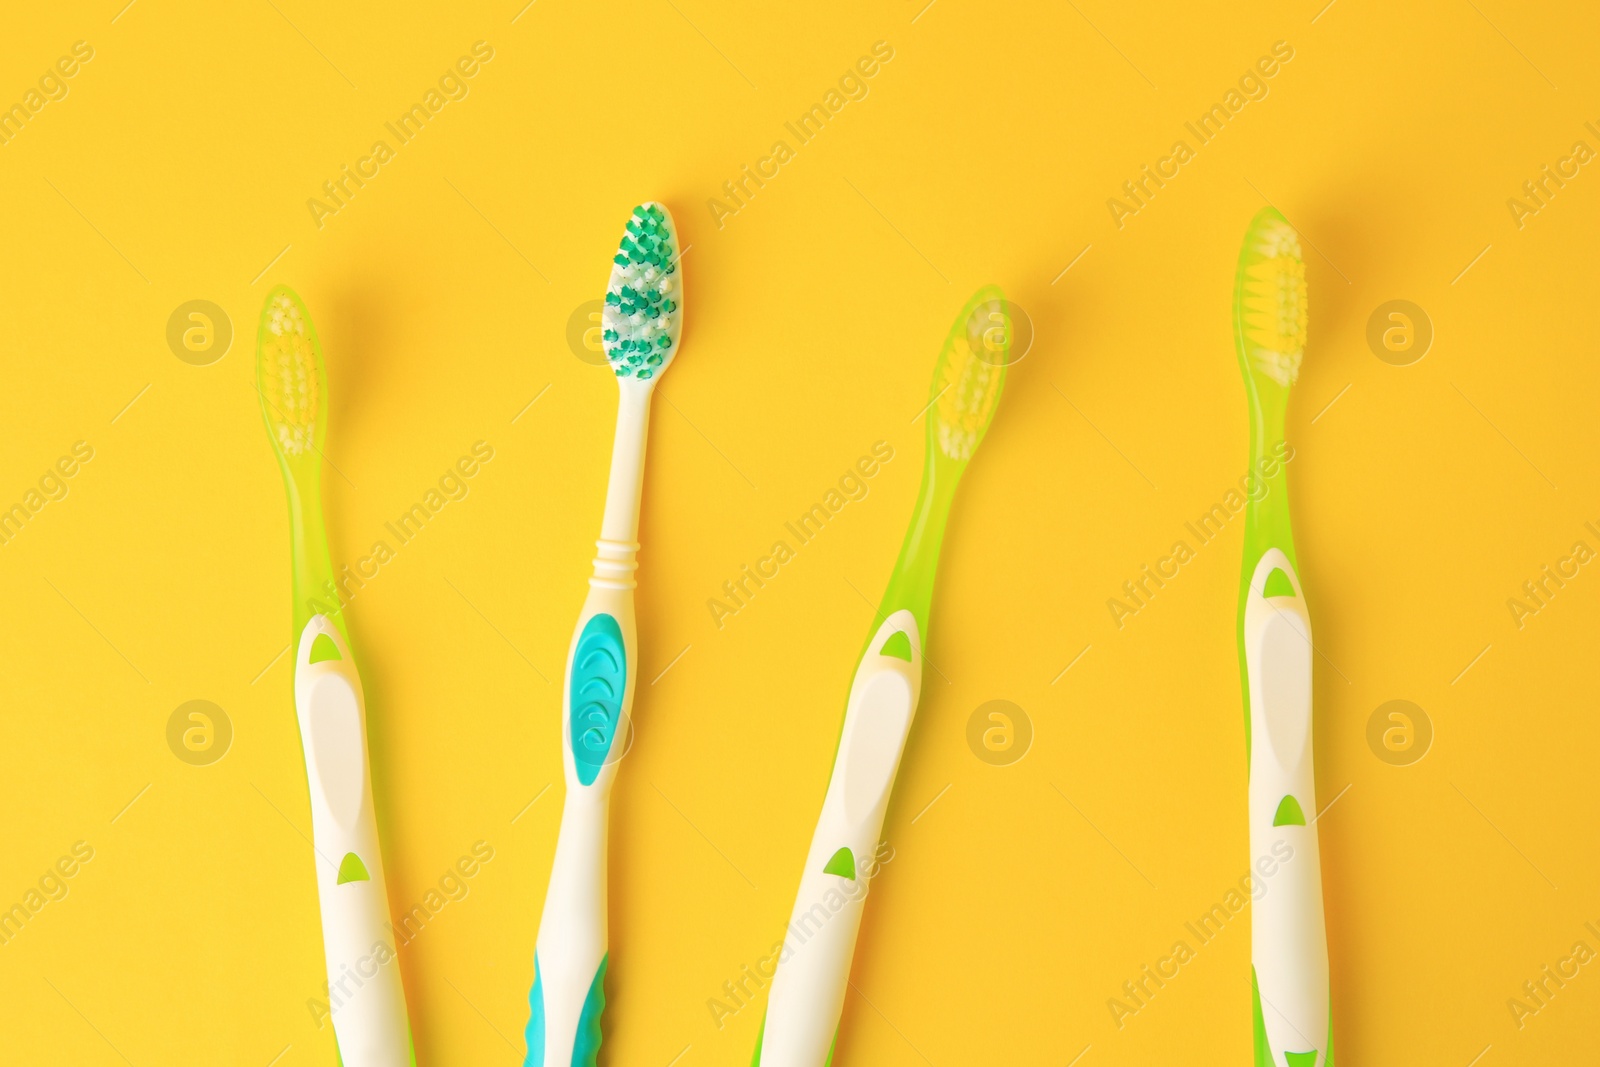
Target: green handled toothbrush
point(1289, 943)
point(369, 1007)
point(807, 995)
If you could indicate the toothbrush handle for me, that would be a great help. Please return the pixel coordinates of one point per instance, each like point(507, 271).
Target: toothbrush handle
point(808, 990)
point(568, 994)
point(366, 1000)
point(1289, 944)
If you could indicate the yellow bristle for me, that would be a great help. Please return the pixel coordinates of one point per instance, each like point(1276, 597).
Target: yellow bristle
point(970, 377)
point(290, 384)
point(1273, 308)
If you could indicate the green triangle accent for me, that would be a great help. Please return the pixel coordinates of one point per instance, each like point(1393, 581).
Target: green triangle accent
point(323, 648)
point(351, 869)
point(1289, 814)
point(1263, 1048)
point(843, 864)
point(761, 1036)
point(1278, 584)
point(898, 646)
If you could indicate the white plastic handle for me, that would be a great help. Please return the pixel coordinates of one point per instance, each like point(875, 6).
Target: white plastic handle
point(807, 995)
point(1289, 941)
point(572, 930)
point(572, 940)
point(366, 997)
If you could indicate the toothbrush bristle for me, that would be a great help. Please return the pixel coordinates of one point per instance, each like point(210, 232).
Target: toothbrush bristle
point(286, 365)
point(971, 373)
point(1272, 308)
point(642, 317)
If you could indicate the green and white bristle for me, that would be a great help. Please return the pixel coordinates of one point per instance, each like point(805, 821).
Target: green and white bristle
point(641, 319)
point(1272, 297)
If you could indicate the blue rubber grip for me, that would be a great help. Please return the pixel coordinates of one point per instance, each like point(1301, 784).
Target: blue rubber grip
point(586, 1046)
point(599, 679)
point(586, 1049)
point(533, 1035)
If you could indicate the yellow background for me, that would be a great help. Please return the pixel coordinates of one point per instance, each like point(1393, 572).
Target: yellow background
point(180, 165)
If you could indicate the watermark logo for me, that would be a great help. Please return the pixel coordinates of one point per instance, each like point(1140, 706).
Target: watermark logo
point(454, 885)
point(740, 590)
point(1253, 85)
point(1399, 332)
point(1006, 335)
point(453, 485)
point(853, 85)
point(199, 332)
point(51, 486)
point(743, 989)
point(1138, 991)
point(583, 333)
point(1537, 192)
point(453, 85)
point(999, 732)
point(1539, 991)
point(1538, 591)
point(621, 744)
point(199, 733)
point(1253, 487)
point(1399, 733)
point(51, 887)
point(52, 86)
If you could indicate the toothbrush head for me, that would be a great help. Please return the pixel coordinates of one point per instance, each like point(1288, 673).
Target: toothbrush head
point(1270, 299)
point(971, 373)
point(290, 376)
point(643, 311)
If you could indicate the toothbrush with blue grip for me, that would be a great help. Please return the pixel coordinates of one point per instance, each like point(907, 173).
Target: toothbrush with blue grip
point(641, 323)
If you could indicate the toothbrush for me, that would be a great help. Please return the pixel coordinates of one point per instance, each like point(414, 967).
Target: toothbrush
point(640, 325)
point(1289, 943)
point(369, 1012)
point(807, 994)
